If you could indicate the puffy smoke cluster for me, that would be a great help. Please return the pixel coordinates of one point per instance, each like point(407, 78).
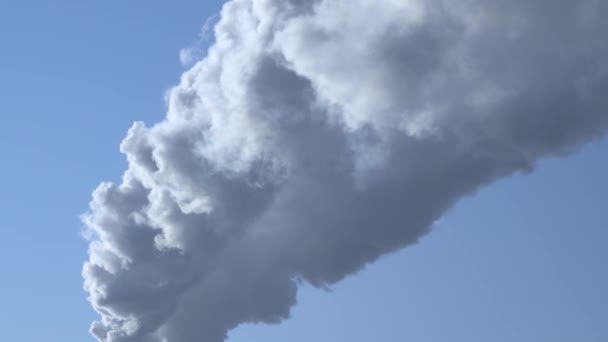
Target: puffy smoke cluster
point(317, 136)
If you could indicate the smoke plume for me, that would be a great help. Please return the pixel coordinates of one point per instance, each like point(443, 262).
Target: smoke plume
point(317, 136)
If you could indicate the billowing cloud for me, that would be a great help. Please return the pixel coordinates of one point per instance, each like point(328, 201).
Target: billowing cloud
point(317, 136)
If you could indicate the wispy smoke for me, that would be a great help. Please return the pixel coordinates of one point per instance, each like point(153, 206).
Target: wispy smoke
point(317, 136)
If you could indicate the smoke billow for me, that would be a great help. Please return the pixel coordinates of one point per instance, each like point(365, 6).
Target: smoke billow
point(317, 136)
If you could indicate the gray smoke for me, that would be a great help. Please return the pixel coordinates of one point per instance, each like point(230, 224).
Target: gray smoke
point(317, 136)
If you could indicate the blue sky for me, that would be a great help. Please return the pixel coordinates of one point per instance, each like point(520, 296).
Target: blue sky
point(523, 260)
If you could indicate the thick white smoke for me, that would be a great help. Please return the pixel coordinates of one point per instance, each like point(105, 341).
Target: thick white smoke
point(317, 136)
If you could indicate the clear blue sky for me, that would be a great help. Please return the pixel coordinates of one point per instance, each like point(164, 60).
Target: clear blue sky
point(523, 260)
